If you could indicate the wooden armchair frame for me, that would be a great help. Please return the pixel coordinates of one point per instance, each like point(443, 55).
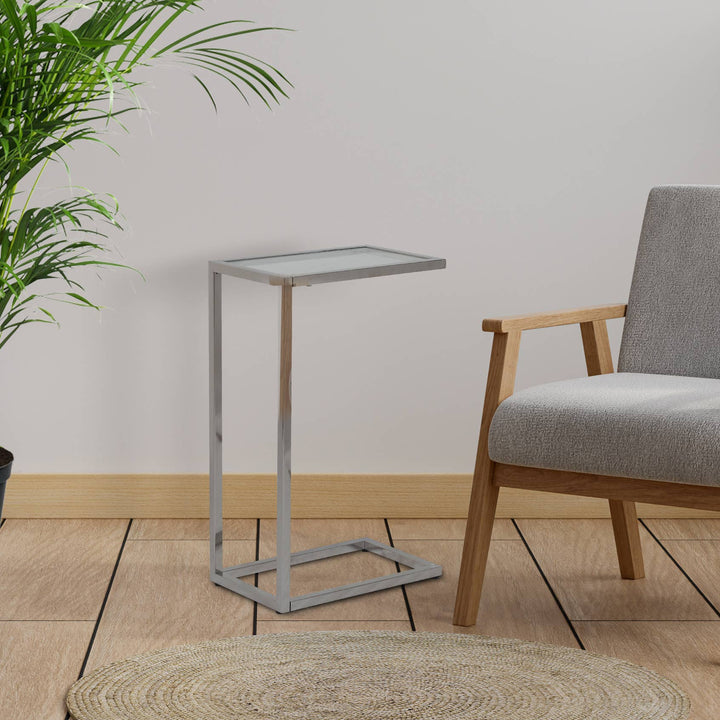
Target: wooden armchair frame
point(489, 477)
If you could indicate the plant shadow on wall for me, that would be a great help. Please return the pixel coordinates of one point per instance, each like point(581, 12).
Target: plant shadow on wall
point(68, 73)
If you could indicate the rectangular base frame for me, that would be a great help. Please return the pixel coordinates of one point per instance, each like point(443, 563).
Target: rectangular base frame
point(419, 570)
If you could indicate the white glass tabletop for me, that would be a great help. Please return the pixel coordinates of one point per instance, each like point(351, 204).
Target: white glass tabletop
point(323, 266)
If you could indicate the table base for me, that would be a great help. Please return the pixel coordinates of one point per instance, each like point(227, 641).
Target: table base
point(420, 569)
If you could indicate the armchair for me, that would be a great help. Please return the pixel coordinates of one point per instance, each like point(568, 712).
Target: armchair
point(648, 433)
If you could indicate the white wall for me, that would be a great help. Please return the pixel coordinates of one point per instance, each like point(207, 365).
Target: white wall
point(519, 140)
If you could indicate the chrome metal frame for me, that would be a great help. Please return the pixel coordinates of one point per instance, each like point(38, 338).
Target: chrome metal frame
point(415, 263)
point(230, 577)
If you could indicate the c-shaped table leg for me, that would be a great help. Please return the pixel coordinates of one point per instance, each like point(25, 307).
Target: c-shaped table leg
point(215, 322)
point(283, 452)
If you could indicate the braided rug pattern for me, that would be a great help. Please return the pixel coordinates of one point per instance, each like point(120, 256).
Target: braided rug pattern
point(374, 676)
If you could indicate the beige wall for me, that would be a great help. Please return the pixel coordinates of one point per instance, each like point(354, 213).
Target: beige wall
point(519, 140)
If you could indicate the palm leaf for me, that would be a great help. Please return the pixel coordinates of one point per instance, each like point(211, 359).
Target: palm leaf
point(67, 70)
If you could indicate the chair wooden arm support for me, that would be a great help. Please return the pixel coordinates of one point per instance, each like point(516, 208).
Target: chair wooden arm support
point(553, 319)
point(500, 385)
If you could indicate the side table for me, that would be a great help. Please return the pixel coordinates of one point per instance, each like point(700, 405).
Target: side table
point(288, 271)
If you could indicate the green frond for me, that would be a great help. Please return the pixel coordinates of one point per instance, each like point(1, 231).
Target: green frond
point(68, 70)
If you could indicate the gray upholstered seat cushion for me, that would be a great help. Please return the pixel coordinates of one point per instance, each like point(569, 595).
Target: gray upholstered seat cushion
point(658, 427)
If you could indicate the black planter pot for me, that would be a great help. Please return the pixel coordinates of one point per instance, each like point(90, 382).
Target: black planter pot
point(6, 461)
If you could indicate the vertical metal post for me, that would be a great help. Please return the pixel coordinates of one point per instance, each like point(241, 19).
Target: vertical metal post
point(283, 450)
point(215, 303)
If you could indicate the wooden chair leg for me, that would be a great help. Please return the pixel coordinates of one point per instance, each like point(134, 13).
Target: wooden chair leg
point(627, 539)
point(483, 501)
point(481, 515)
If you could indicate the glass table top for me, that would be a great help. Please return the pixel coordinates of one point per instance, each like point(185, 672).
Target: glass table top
point(323, 266)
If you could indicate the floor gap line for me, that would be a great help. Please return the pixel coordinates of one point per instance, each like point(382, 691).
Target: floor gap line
point(456, 540)
point(329, 620)
point(257, 557)
point(104, 603)
point(397, 567)
point(641, 620)
point(26, 620)
point(681, 569)
point(197, 539)
point(547, 583)
point(717, 539)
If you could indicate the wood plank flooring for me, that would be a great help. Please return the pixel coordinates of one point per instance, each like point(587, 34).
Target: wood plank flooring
point(579, 560)
point(77, 594)
point(56, 569)
point(686, 652)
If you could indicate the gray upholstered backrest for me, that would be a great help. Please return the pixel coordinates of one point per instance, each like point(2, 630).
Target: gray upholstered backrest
point(673, 320)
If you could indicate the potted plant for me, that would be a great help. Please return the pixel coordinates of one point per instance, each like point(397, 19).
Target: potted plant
point(68, 72)
point(6, 461)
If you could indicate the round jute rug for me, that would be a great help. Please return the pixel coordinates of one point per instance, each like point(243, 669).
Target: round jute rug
point(374, 676)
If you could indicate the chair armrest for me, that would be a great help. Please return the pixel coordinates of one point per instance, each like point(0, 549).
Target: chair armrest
point(553, 319)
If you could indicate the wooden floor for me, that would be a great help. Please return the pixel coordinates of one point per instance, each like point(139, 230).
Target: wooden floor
point(77, 594)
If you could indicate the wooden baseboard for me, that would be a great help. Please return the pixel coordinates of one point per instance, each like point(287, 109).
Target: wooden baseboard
point(314, 496)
